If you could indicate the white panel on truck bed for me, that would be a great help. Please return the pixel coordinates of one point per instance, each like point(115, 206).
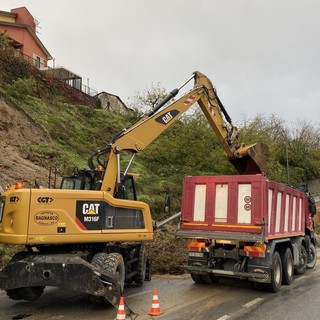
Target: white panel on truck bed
point(294, 204)
point(286, 214)
point(300, 212)
point(221, 203)
point(278, 212)
point(244, 203)
point(270, 192)
point(199, 202)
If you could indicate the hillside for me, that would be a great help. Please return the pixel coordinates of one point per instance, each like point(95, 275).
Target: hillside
point(16, 130)
point(44, 124)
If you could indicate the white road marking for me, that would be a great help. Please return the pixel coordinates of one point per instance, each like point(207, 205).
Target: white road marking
point(252, 303)
point(225, 317)
point(139, 294)
point(300, 278)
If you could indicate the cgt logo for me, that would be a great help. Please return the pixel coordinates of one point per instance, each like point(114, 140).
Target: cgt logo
point(14, 199)
point(45, 199)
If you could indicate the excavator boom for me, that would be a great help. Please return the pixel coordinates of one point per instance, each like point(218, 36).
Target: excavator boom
point(249, 159)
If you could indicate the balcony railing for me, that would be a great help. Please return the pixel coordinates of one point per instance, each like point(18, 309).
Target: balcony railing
point(61, 74)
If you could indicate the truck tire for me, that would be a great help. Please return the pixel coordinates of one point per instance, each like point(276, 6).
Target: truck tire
point(210, 278)
point(287, 266)
point(196, 278)
point(141, 266)
point(303, 260)
point(312, 257)
point(276, 273)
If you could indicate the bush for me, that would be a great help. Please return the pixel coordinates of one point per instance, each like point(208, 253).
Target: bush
point(167, 253)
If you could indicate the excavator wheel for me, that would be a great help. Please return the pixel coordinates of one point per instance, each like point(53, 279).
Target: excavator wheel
point(111, 263)
point(28, 293)
point(141, 267)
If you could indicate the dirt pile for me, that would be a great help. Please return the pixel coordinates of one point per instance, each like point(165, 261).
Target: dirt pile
point(16, 128)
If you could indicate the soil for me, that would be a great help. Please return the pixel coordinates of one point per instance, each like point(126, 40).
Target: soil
point(16, 129)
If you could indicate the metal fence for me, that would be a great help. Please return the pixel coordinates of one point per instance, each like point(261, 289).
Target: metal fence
point(66, 76)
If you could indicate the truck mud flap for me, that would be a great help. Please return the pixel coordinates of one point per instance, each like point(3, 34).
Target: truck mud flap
point(60, 270)
point(253, 276)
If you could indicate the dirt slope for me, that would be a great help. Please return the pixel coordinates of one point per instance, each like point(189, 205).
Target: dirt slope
point(16, 128)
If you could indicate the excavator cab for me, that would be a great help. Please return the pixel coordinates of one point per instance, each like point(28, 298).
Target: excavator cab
point(90, 179)
point(80, 180)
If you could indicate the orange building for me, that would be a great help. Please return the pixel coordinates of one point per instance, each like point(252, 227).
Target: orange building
point(20, 26)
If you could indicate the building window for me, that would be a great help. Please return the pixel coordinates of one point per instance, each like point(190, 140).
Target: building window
point(38, 61)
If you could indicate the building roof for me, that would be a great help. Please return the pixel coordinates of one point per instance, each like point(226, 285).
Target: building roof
point(8, 14)
point(25, 26)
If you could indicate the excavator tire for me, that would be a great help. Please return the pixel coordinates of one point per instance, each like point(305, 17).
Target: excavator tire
point(28, 293)
point(14, 294)
point(111, 263)
point(141, 267)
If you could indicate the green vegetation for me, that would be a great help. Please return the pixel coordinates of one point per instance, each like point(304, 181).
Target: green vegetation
point(189, 147)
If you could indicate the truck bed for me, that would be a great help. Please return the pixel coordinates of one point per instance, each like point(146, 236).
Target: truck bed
point(248, 207)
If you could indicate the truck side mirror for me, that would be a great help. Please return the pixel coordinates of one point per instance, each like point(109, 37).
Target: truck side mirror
point(167, 202)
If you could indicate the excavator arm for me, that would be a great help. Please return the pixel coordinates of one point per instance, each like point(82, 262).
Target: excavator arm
point(246, 159)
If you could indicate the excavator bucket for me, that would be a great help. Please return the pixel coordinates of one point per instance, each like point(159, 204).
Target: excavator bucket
point(251, 159)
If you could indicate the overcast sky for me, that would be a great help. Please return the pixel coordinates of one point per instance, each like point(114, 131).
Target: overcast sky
point(261, 55)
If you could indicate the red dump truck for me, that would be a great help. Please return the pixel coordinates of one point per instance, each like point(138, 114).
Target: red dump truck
point(247, 227)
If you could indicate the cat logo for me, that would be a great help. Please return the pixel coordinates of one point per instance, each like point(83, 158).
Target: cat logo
point(90, 208)
point(167, 118)
point(91, 212)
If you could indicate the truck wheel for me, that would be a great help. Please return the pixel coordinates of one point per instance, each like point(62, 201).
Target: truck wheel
point(210, 278)
point(312, 257)
point(303, 260)
point(276, 274)
point(141, 267)
point(197, 278)
point(287, 266)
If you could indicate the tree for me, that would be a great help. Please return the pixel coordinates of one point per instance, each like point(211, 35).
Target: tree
point(294, 150)
point(147, 99)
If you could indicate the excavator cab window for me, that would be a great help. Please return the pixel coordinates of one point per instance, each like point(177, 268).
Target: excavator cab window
point(126, 190)
point(81, 180)
point(130, 187)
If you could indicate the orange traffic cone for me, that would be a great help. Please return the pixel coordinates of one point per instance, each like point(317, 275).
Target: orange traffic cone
point(121, 315)
point(155, 308)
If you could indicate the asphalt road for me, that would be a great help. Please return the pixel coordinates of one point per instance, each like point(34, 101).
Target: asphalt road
point(180, 298)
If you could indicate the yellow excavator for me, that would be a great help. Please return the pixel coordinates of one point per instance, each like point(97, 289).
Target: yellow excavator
point(89, 235)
